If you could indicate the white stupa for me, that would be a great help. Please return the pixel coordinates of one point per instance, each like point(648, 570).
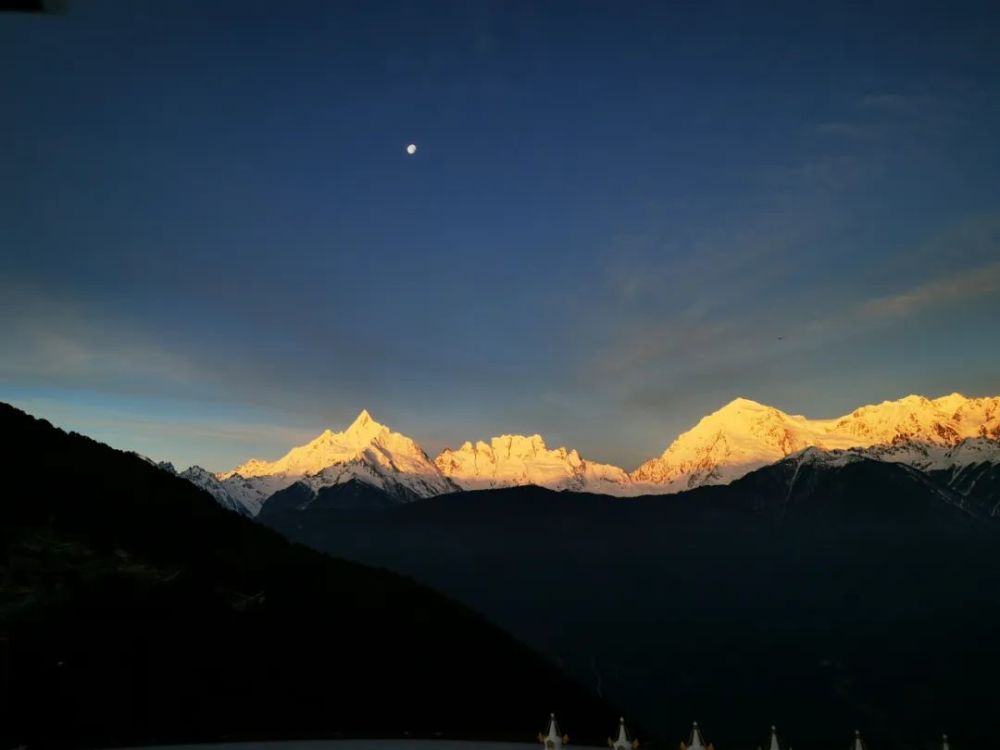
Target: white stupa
point(775, 743)
point(552, 740)
point(624, 741)
point(697, 741)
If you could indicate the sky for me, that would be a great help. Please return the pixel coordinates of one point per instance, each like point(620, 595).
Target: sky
point(620, 216)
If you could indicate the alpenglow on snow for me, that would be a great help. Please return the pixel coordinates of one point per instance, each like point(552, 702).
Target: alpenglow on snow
point(940, 434)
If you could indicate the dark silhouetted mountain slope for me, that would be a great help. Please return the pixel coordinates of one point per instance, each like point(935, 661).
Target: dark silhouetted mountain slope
point(134, 609)
point(822, 593)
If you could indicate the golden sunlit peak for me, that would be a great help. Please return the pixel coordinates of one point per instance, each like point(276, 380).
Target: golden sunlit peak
point(743, 401)
point(913, 398)
point(363, 429)
point(950, 402)
point(362, 420)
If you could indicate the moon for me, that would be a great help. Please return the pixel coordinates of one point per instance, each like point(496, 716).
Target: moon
point(411, 149)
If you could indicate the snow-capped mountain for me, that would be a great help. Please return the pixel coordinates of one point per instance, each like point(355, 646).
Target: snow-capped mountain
point(927, 456)
point(944, 434)
point(806, 481)
point(510, 460)
point(738, 438)
point(917, 454)
point(366, 451)
point(210, 483)
point(745, 435)
point(970, 469)
point(943, 421)
point(217, 489)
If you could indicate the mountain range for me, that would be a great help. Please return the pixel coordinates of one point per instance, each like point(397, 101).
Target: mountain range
point(824, 590)
point(843, 585)
point(135, 611)
point(947, 434)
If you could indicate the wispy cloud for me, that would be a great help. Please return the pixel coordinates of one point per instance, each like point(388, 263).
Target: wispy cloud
point(169, 429)
point(240, 436)
point(44, 338)
point(50, 340)
point(742, 250)
point(962, 286)
point(646, 359)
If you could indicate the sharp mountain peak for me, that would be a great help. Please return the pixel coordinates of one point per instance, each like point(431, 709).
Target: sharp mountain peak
point(742, 435)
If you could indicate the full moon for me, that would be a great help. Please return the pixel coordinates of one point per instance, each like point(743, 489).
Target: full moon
point(411, 149)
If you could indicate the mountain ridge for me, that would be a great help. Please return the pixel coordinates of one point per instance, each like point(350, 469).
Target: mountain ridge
point(515, 460)
point(802, 590)
point(741, 436)
point(744, 435)
point(367, 451)
point(136, 611)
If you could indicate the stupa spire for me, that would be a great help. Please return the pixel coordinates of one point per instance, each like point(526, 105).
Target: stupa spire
point(552, 740)
point(697, 741)
point(775, 744)
point(624, 741)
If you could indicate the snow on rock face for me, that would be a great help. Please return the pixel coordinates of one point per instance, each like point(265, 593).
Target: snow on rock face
point(738, 438)
point(828, 459)
point(217, 489)
point(511, 460)
point(927, 456)
point(980, 414)
point(326, 449)
point(366, 450)
point(745, 435)
point(251, 492)
point(207, 481)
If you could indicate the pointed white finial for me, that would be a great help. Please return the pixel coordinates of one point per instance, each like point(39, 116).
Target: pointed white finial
point(697, 742)
point(621, 741)
point(774, 745)
point(551, 739)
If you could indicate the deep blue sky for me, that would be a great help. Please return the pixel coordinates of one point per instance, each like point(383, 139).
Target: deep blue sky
point(212, 244)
